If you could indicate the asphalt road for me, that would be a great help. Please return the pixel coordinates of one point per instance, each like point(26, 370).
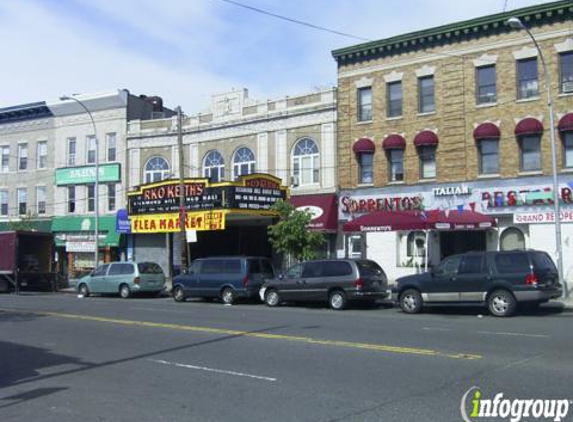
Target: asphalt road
point(107, 359)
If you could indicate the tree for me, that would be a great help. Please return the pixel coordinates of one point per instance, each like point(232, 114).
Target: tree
point(291, 235)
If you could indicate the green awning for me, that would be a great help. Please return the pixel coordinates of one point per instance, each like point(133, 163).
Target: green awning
point(86, 224)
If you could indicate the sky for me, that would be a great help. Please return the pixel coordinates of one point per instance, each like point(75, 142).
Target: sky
point(187, 50)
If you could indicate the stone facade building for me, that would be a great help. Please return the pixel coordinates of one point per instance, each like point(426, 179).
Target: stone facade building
point(458, 106)
point(291, 138)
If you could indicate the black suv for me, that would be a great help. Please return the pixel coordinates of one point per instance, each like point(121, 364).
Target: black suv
point(334, 280)
point(498, 279)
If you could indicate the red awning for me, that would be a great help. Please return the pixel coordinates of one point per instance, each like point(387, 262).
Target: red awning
point(381, 221)
point(323, 206)
point(394, 142)
point(426, 138)
point(486, 131)
point(566, 123)
point(364, 145)
point(528, 126)
point(456, 220)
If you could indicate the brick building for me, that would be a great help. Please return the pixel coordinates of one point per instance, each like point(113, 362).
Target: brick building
point(456, 118)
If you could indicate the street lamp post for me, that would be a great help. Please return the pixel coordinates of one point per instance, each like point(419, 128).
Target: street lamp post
point(516, 23)
point(96, 182)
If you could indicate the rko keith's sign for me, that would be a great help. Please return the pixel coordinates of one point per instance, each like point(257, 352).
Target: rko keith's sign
point(254, 192)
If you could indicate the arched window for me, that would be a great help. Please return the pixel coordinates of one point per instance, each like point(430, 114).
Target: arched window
point(306, 162)
point(243, 162)
point(512, 238)
point(156, 169)
point(214, 166)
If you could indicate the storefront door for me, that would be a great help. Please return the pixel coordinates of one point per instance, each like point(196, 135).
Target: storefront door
point(456, 242)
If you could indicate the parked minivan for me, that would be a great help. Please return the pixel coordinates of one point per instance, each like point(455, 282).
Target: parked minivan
point(123, 278)
point(227, 278)
point(498, 279)
point(335, 281)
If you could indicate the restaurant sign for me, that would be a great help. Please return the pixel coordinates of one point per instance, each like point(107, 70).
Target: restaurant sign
point(358, 205)
point(84, 175)
point(169, 223)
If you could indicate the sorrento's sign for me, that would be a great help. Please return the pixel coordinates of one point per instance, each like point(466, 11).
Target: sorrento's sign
point(357, 205)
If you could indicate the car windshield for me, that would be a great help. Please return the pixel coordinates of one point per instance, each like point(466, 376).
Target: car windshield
point(149, 268)
point(369, 268)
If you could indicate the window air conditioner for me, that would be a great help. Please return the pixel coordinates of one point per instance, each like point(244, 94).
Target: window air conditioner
point(294, 181)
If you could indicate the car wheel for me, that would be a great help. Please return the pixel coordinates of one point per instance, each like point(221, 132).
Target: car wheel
point(272, 298)
point(501, 303)
point(124, 291)
point(178, 294)
point(337, 300)
point(411, 301)
point(228, 296)
point(84, 291)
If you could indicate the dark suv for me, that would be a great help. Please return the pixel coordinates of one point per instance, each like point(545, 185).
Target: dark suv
point(498, 279)
point(334, 280)
point(227, 278)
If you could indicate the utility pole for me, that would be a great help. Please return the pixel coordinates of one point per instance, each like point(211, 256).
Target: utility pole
point(182, 212)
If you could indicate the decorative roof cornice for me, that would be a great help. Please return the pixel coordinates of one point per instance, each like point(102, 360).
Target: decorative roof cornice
point(532, 16)
point(24, 112)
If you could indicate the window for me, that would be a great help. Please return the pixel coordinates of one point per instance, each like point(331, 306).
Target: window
point(233, 266)
point(336, 269)
point(156, 169)
point(427, 156)
point(566, 72)
point(486, 90)
point(530, 152)
point(91, 149)
point(3, 202)
point(512, 238)
point(121, 269)
point(313, 269)
point(22, 156)
point(214, 166)
point(426, 95)
point(365, 167)
point(100, 271)
point(416, 244)
point(527, 79)
point(394, 91)
point(449, 266)
point(71, 151)
point(5, 163)
point(395, 165)
point(41, 154)
point(488, 150)
point(567, 149)
point(512, 263)
point(365, 104)
point(91, 197)
point(71, 199)
point(471, 264)
point(243, 162)
point(111, 146)
point(212, 266)
point(111, 197)
point(305, 162)
point(41, 199)
point(149, 268)
point(22, 195)
point(294, 272)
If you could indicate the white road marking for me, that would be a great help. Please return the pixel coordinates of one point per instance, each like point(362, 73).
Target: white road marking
point(218, 371)
point(436, 329)
point(514, 334)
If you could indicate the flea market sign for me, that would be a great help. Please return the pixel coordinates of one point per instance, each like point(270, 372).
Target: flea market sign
point(84, 175)
point(169, 223)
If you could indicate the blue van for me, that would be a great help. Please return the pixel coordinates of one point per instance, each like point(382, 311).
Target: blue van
point(226, 278)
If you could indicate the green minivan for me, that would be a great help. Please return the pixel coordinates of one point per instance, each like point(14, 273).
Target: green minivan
point(123, 278)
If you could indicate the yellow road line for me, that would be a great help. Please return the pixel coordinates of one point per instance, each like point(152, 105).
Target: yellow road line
point(249, 334)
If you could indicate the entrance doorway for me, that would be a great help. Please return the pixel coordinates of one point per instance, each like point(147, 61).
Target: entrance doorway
point(455, 242)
